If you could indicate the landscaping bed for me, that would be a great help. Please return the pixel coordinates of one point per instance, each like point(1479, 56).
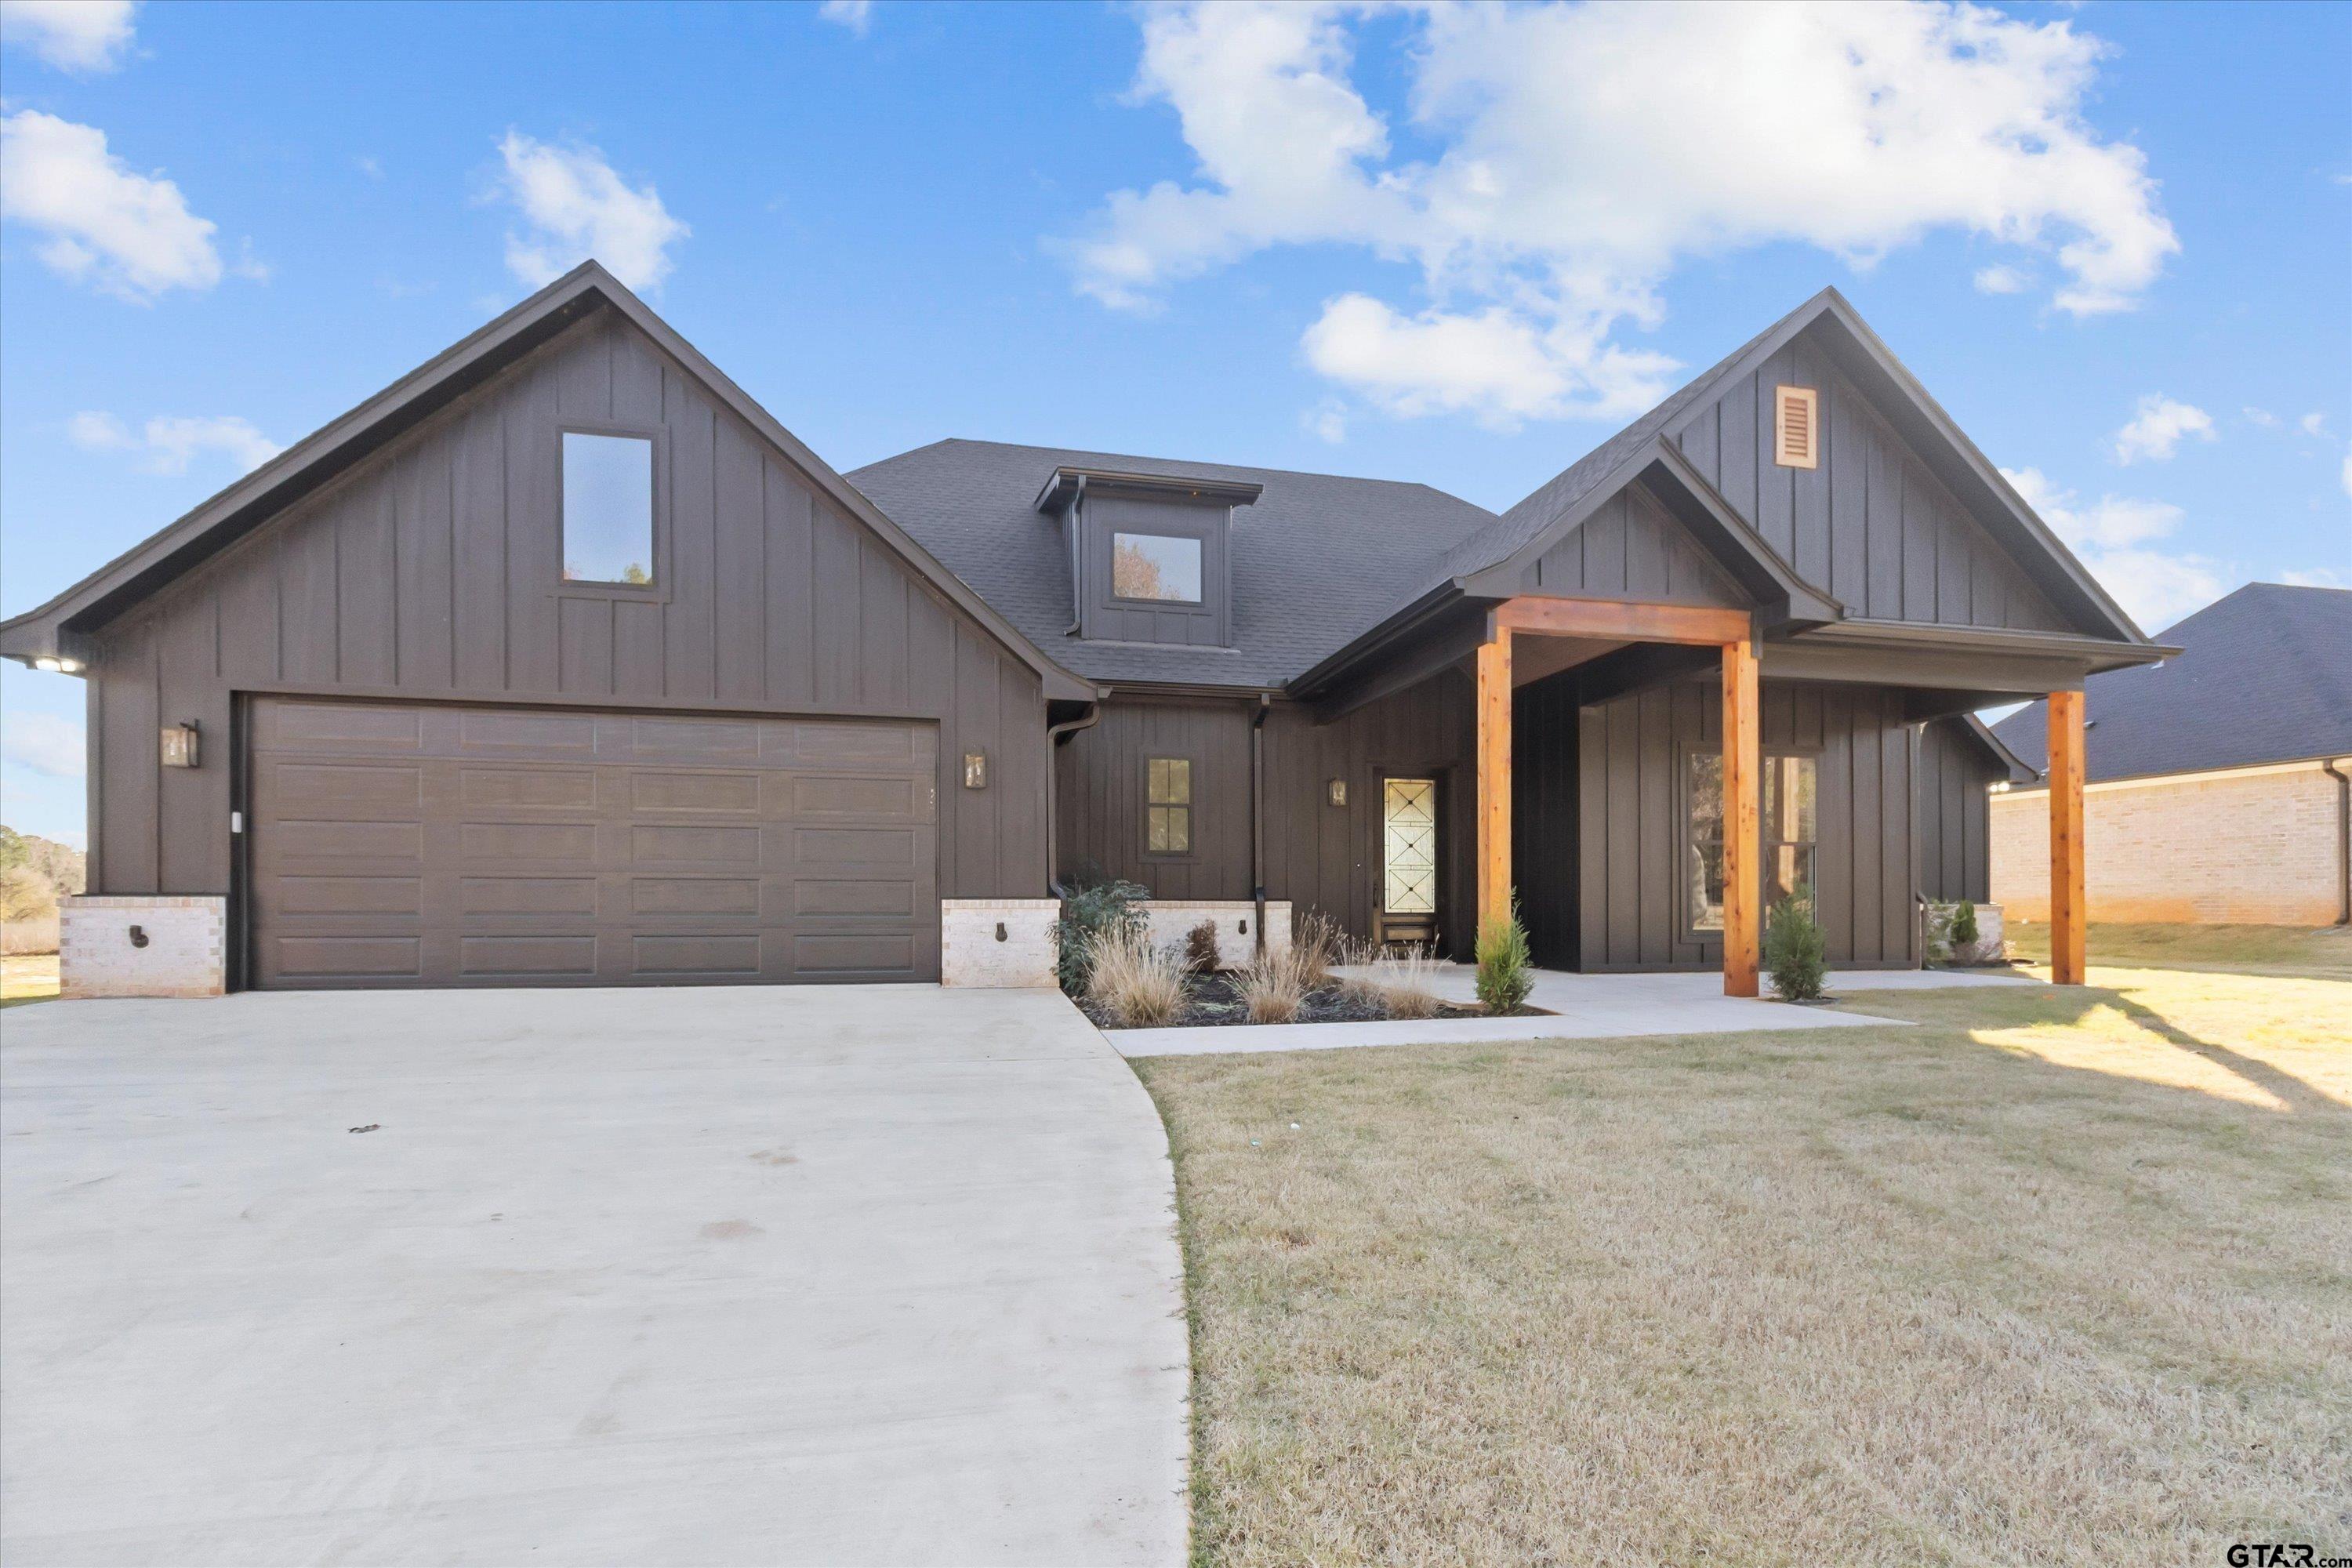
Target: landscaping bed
point(1216, 999)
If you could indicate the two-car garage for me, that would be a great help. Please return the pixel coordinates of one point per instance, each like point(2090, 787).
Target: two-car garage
point(429, 844)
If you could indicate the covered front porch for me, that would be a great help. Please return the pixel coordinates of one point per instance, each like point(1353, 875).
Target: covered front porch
point(1707, 886)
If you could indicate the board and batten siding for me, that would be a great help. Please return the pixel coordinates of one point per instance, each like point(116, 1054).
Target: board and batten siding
point(1320, 856)
point(1955, 810)
point(433, 570)
point(1870, 524)
point(1632, 842)
point(1631, 548)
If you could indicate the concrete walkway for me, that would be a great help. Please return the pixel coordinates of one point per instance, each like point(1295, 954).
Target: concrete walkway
point(1587, 1007)
point(758, 1275)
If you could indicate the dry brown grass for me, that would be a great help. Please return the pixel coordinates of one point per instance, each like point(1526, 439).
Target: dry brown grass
point(28, 979)
point(2323, 951)
point(2053, 1272)
point(1140, 985)
point(1274, 987)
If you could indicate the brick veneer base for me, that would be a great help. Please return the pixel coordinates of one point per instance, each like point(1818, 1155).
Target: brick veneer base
point(183, 956)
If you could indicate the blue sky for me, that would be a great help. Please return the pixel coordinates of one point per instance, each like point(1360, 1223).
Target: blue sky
point(1456, 247)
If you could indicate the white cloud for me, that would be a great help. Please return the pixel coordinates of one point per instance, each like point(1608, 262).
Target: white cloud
point(2317, 577)
point(2003, 280)
point(2262, 417)
point(128, 234)
point(1326, 420)
point(167, 443)
point(1495, 365)
point(72, 35)
point(43, 743)
point(854, 14)
point(577, 208)
point(1580, 154)
point(2113, 537)
point(2157, 426)
point(2313, 423)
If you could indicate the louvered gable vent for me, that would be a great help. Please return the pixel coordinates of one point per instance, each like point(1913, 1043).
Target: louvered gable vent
point(1799, 424)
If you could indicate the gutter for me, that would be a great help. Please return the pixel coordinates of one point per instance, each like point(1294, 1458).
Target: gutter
point(1257, 814)
point(1054, 735)
point(2343, 837)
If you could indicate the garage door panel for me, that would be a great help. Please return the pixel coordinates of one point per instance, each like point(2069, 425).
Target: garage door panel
point(694, 895)
point(369, 958)
point(522, 848)
point(554, 789)
point(538, 957)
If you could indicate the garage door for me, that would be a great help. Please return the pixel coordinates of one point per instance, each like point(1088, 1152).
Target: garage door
point(435, 845)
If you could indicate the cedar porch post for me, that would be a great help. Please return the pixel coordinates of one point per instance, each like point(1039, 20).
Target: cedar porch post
point(2067, 910)
point(1743, 863)
point(1494, 701)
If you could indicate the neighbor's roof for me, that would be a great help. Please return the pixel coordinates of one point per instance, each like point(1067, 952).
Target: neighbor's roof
point(2265, 676)
point(1315, 559)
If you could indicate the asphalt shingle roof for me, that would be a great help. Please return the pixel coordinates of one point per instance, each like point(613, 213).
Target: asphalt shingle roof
point(1316, 560)
point(2265, 676)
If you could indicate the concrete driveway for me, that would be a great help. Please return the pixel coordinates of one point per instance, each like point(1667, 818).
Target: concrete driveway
point(825, 1275)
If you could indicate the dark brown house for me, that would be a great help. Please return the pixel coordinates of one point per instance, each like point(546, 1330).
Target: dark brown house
point(562, 661)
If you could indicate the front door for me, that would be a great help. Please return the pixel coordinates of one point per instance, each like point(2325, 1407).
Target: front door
point(1408, 861)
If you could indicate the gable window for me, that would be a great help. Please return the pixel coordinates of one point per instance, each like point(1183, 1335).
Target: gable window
point(1155, 566)
point(608, 509)
point(1797, 427)
point(1167, 806)
point(1785, 834)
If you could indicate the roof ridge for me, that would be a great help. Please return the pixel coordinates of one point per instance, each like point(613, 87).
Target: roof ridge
point(1202, 462)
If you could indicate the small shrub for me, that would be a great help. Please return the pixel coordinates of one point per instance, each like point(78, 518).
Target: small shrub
point(1505, 976)
point(1200, 956)
point(1964, 932)
point(1403, 979)
point(1795, 955)
point(1274, 989)
point(1138, 985)
point(1091, 915)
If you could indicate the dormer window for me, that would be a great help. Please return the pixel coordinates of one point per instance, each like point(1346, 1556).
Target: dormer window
point(1150, 554)
point(1155, 566)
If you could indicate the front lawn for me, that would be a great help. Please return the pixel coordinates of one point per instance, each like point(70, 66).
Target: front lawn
point(2324, 951)
point(28, 977)
point(2054, 1272)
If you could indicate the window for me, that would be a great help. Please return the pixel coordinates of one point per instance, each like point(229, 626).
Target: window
point(1167, 806)
point(1785, 834)
point(608, 509)
point(1155, 566)
point(1798, 427)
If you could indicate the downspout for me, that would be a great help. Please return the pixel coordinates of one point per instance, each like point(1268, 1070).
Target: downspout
point(1055, 734)
point(1257, 814)
point(2343, 837)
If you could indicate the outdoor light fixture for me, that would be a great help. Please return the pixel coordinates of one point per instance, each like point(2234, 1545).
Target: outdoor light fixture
point(975, 770)
point(50, 664)
point(1338, 791)
point(180, 745)
point(56, 665)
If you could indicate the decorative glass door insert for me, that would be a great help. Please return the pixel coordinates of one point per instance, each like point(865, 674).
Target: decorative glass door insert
point(1409, 846)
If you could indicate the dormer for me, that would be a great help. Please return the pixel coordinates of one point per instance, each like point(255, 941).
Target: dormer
point(1150, 554)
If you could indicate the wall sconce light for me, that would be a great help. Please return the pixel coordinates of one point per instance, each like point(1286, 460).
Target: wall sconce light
point(975, 770)
point(180, 745)
point(57, 666)
point(1338, 791)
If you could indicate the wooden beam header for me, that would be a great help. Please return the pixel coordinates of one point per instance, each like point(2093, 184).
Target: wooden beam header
point(1623, 620)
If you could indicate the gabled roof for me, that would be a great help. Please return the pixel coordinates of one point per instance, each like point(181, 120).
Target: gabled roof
point(1561, 503)
point(320, 457)
point(2264, 675)
point(1314, 556)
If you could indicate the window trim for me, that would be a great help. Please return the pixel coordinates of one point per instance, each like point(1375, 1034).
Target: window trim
point(660, 590)
point(1686, 915)
point(1189, 806)
point(1200, 603)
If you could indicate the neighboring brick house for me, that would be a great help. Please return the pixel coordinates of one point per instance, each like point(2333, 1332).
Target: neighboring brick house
point(2220, 783)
